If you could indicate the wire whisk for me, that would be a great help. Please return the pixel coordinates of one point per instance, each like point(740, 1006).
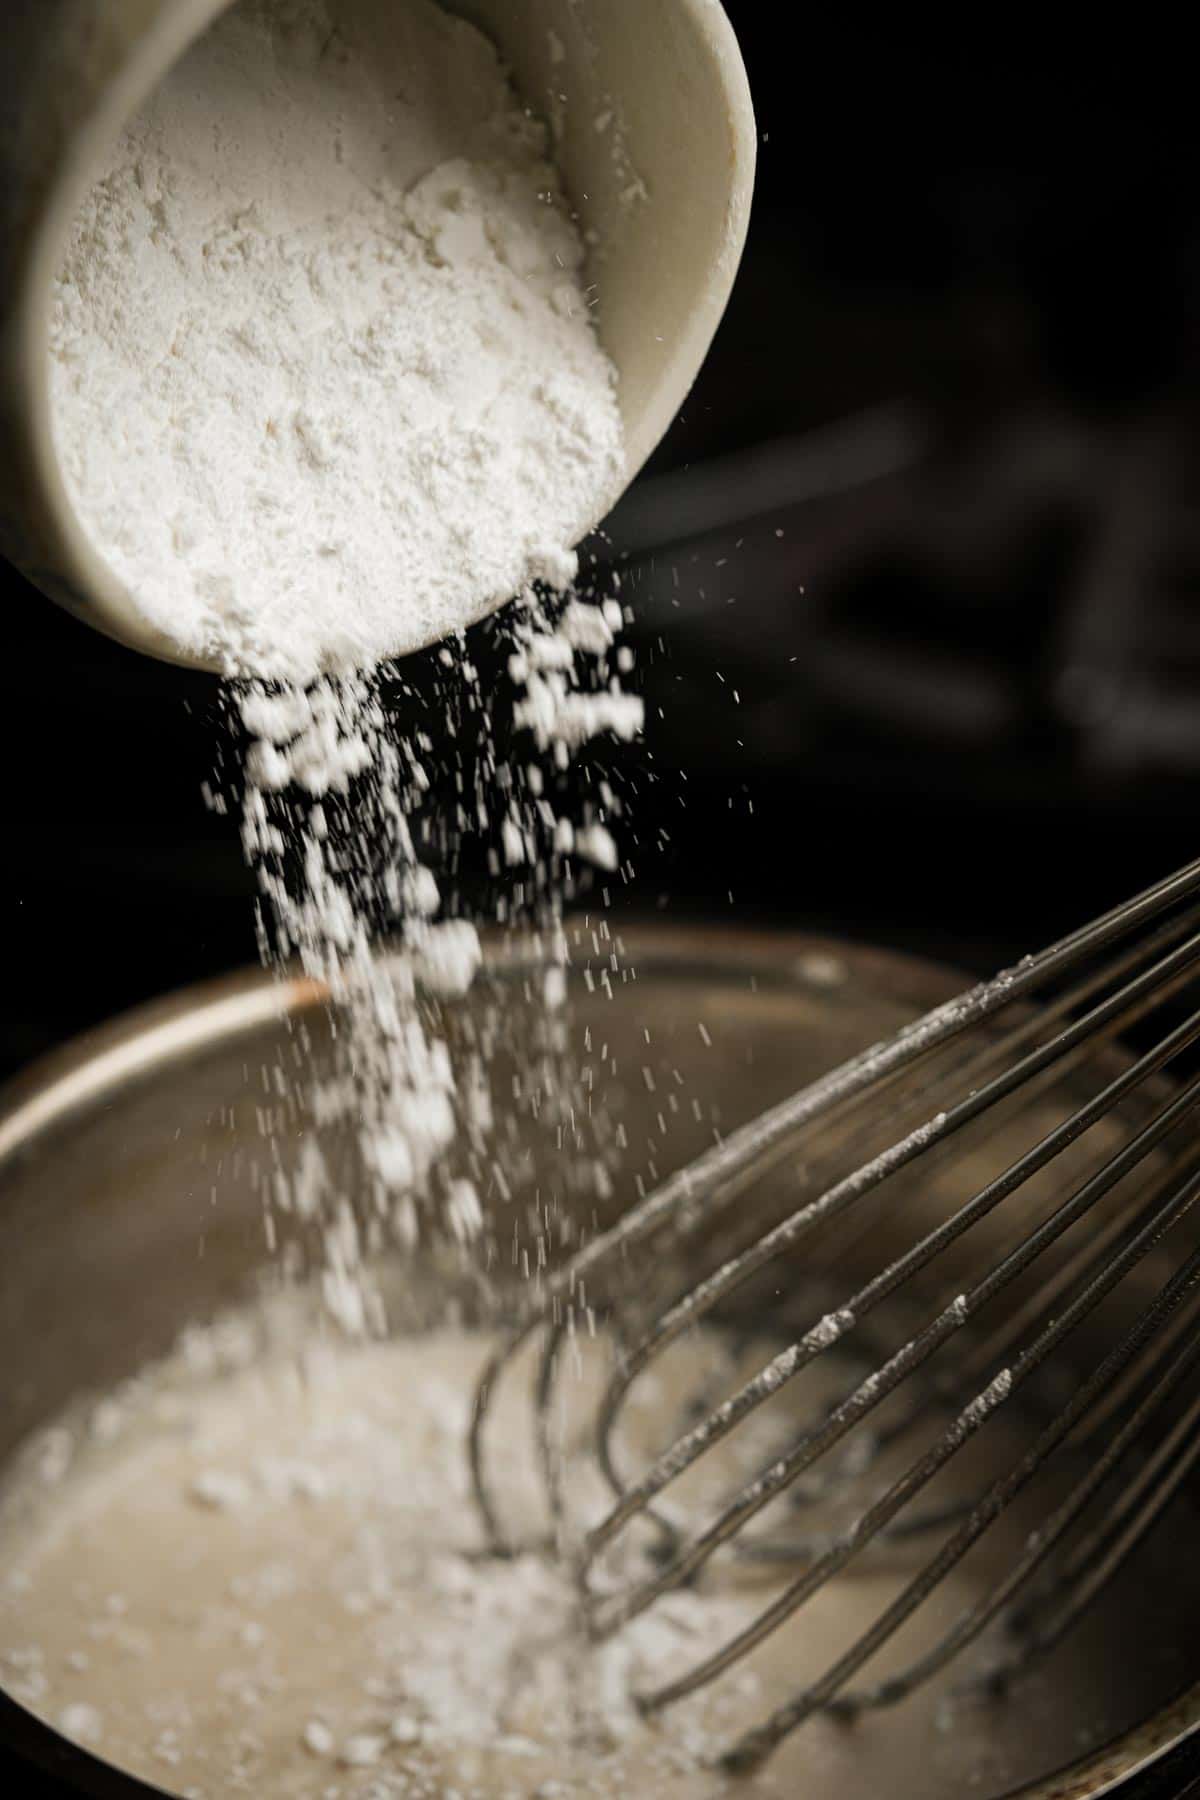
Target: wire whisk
point(996, 1202)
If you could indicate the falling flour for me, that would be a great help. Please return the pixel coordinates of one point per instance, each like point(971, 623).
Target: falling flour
point(326, 386)
point(324, 375)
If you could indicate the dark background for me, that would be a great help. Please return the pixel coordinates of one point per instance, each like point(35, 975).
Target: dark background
point(953, 707)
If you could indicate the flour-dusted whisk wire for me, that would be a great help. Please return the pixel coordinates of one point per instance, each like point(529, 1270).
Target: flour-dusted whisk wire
point(1098, 1197)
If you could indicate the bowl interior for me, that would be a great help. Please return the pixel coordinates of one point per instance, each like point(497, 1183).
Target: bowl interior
point(656, 137)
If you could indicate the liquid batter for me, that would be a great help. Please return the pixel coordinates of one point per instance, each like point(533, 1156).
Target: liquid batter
point(266, 1581)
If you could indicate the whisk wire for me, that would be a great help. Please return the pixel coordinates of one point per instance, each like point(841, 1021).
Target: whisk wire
point(790, 1362)
point(758, 1744)
point(738, 1159)
point(952, 1086)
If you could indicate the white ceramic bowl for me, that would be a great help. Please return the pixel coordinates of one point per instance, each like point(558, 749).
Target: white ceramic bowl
point(76, 70)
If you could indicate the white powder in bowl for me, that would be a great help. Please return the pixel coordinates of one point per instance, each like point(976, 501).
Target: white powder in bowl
point(325, 381)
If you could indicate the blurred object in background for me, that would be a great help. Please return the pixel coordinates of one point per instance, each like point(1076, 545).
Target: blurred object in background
point(915, 580)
